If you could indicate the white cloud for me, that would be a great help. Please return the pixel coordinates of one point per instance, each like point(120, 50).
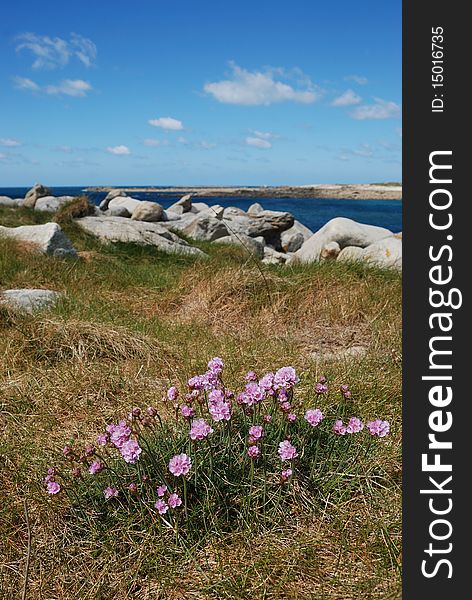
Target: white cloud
point(84, 49)
point(69, 87)
point(252, 88)
point(359, 79)
point(53, 53)
point(167, 123)
point(23, 83)
point(381, 109)
point(348, 98)
point(263, 135)
point(118, 150)
point(3, 156)
point(258, 142)
point(9, 142)
point(182, 140)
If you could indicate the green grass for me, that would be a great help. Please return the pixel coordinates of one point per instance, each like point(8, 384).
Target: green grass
point(133, 321)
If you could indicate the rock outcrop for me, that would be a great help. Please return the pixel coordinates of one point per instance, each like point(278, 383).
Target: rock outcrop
point(48, 238)
point(120, 229)
point(344, 232)
point(37, 191)
point(52, 203)
point(29, 300)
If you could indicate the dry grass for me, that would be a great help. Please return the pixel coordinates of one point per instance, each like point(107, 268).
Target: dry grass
point(133, 320)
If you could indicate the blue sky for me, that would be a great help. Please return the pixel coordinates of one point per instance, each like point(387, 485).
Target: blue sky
point(182, 93)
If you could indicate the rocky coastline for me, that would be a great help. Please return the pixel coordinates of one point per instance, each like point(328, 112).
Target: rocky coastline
point(368, 191)
point(273, 237)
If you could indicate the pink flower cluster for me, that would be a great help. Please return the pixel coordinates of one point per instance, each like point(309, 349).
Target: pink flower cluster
point(378, 428)
point(173, 500)
point(120, 437)
point(287, 451)
point(52, 486)
point(199, 429)
point(180, 464)
point(314, 416)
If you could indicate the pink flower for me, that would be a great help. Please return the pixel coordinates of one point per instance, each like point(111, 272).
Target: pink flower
point(151, 411)
point(251, 376)
point(378, 428)
point(196, 382)
point(95, 467)
point(133, 488)
point(174, 501)
point(266, 383)
point(256, 432)
point(161, 490)
point(286, 474)
point(285, 406)
point(267, 418)
point(321, 388)
point(216, 396)
point(172, 393)
point(253, 452)
point(119, 434)
point(130, 451)
point(286, 378)
point(180, 464)
point(53, 487)
point(253, 394)
point(314, 416)
point(110, 492)
point(287, 451)
point(291, 417)
point(199, 429)
point(102, 439)
point(220, 411)
point(216, 365)
point(339, 428)
point(67, 450)
point(187, 411)
point(355, 425)
point(161, 507)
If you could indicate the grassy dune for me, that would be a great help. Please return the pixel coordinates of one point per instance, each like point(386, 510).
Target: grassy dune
point(134, 321)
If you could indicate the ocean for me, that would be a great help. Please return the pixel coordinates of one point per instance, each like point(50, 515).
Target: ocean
point(312, 212)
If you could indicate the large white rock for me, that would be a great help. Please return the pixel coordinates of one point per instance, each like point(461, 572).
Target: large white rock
point(37, 191)
point(255, 209)
point(253, 246)
point(49, 238)
point(268, 223)
point(11, 202)
point(386, 253)
point(205, 228)
point(112, 194)
point(148, 211)
point(199, 206)
point(345, 232)
point(183, 205)
point(273, 257)
point(124, 203)
point(293, 239)
point(120, 229)
point(51, 203)
point(29, 300)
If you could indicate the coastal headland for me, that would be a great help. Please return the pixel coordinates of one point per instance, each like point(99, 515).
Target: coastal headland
point(365, 191)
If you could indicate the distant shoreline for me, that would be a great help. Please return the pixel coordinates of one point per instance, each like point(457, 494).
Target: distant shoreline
point(340, 191)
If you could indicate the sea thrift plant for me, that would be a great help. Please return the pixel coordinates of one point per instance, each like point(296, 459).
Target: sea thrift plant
point(180, 464)
point(256, 448)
